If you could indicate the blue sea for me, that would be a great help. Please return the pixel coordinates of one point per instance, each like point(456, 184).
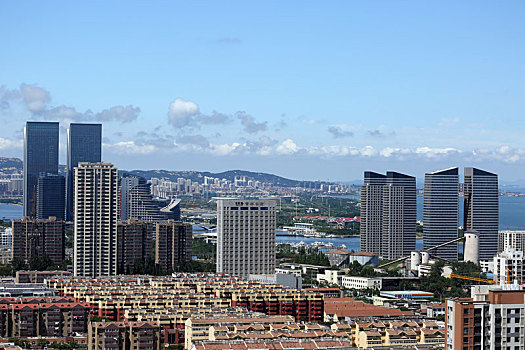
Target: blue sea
point(10, 211)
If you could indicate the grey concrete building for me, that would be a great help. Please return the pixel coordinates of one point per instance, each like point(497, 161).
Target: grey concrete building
point(246, 236)
point(372, 212)
point(399, 216)
point(388, 214)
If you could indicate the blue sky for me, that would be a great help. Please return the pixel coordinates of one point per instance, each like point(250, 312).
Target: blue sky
point(309, 90)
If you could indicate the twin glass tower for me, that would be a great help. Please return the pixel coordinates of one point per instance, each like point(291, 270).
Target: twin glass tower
point(41, 149)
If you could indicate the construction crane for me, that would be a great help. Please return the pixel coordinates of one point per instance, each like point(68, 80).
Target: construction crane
point(470, 278)
point(486, 280)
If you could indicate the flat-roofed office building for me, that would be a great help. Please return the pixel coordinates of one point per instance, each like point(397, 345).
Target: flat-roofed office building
point(246, 236)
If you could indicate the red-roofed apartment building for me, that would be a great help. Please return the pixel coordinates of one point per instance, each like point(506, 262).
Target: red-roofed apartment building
point(347, 309)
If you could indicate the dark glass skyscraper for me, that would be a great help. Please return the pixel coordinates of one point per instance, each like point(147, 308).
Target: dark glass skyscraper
point(51, 195)
point(84, 144)
point(440, 211)
point(40, 156)
point(481, 203)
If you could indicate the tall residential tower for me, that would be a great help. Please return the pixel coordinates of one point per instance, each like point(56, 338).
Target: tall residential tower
point(95, 219)
point(40, 157)
point(372, 212)
point(388, 214)
point(399, 216)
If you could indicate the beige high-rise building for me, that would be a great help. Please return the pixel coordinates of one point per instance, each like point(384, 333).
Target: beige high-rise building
point(95, 219)
point(246, 236)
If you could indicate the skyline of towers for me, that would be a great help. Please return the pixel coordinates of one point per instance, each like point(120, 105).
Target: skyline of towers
point(246, 236)
point(481, 209)
point(95, 219)
point(40, 156)
point(441, 211)
point(84, 144)
point(388, 214)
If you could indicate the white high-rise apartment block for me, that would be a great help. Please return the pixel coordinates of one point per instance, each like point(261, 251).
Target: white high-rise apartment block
point(95, 219)
point(246, 236)
point(494, 320)
point(511, 239)
point(509, 259)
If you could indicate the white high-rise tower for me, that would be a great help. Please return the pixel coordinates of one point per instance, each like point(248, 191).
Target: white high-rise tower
point(95, 219)
point(246, 236)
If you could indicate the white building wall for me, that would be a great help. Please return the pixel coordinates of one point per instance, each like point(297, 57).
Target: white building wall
point(95, 219)
point(246, 236)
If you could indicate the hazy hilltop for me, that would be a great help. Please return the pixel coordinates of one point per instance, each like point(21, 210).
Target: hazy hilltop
point(198, 176)
point(11, 164)
point(16, 165)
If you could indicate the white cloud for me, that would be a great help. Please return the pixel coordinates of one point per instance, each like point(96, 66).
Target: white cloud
point(130, 147)
point(225, 149)
point(287, 147)
point(6, 143)
point(181, 113)
point(435, 152)
point(35, 97)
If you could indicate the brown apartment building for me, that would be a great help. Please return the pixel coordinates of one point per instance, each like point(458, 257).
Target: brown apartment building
point(134, 243)
point(32, 237)
point(495, 323)
point(36, 318)
point(173, 244)
point(124, 336)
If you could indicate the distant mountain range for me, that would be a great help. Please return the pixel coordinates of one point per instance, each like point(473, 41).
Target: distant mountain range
point(16, 164)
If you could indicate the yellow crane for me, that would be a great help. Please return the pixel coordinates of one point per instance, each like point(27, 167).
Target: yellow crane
point(486, 280)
